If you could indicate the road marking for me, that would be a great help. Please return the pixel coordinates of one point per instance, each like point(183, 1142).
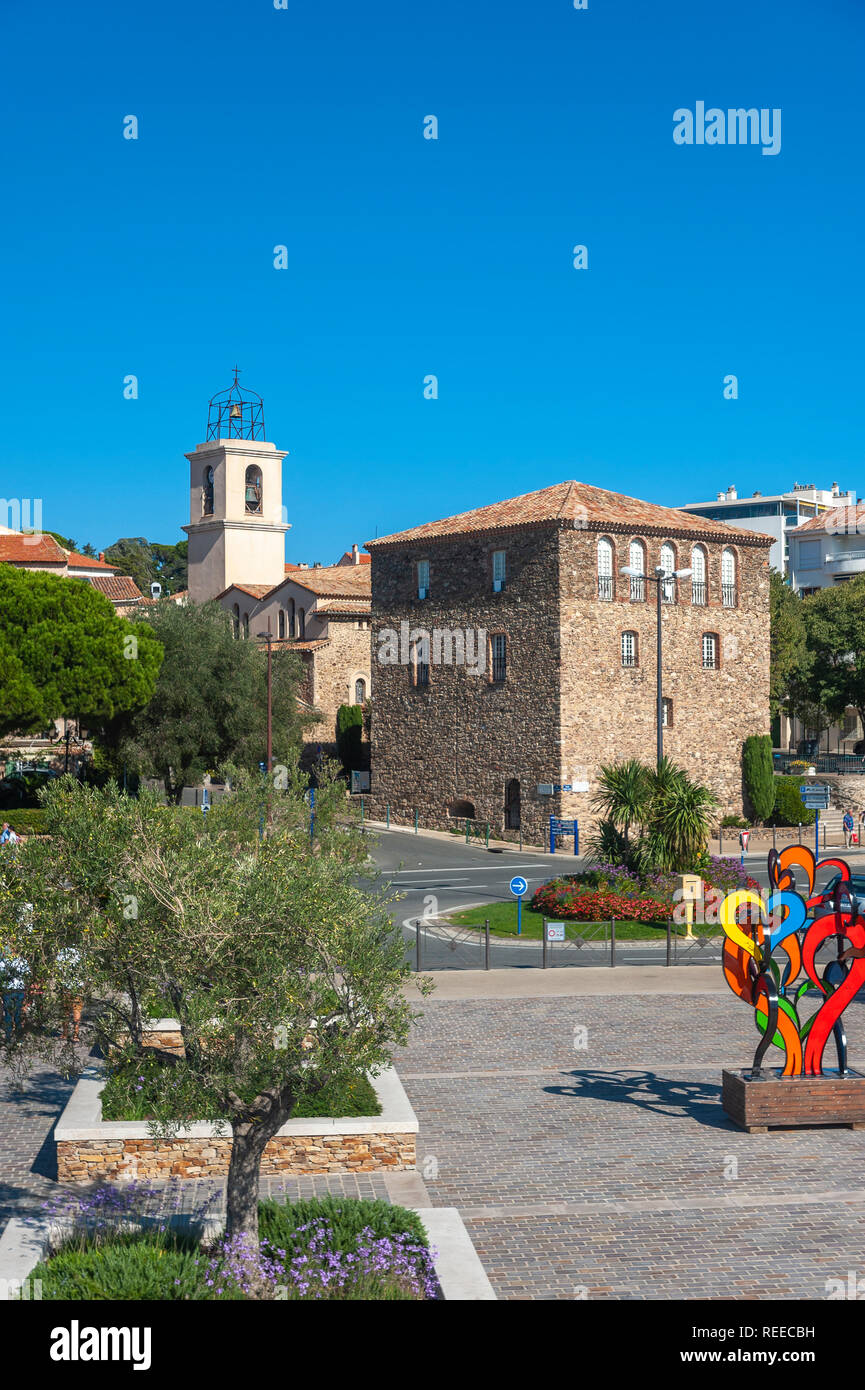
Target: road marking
point(463, 869)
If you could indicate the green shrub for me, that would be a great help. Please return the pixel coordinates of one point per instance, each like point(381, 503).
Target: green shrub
point(789, 809)
point(279, 1222)
point(736, 822)
point(128, 1268)
point(758, 776)
point(30, 821)
point(349, 735)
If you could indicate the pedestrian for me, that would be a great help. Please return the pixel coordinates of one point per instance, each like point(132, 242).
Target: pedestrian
point(7, 835)
point(849, 824)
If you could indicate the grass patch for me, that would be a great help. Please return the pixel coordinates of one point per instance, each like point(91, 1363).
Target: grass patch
point(130, 1091)
point(503, 922)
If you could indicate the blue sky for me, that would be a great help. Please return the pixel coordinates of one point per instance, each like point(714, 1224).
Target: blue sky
point(410, 257)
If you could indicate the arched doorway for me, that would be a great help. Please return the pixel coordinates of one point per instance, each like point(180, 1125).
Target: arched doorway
point(512, 805)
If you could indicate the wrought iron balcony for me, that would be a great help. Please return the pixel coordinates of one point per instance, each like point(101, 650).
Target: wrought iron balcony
point(638, 588)
point(606, 587)
point(699, 594)
point(728, 595)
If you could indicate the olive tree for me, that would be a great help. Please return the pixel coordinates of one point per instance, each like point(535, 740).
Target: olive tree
point(284, 972)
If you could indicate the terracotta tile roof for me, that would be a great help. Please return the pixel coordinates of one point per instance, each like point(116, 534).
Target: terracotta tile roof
point(576, 505)
point(254, 590)
point(85, 562)
point(356, 607)
point(332, 581)
point(289, 567)
point(834, 522)
point(348, 559)
point(120, 588)
point(36, 549)
point(304, 646)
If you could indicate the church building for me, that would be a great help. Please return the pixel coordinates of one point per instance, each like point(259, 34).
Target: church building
point(237, 530)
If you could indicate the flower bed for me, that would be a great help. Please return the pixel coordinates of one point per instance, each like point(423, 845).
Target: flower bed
point(604, 892)
point(119, 1244)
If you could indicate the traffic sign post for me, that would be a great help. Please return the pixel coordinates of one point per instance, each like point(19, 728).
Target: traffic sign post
point(564, 827)
point(518, 886)
point(817, 797)
point(744, 837)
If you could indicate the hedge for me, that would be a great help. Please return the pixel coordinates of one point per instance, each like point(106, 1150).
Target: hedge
point(30, 821)
point(789, 809)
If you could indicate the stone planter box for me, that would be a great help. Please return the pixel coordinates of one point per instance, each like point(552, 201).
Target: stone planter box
point(793, 1102)
point(90, 1148)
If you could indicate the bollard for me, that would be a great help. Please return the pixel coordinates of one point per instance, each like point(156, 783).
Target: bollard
point(361, 810)
point(544, 945)
point(388, 815)
point(613, 943)
point(415, 822)
point(487, 944)
point(488, 834)
point(774, 846)
point(669, 943)
point(417, 946)
point(720, 841)
point(800, 832)
point(521, 837)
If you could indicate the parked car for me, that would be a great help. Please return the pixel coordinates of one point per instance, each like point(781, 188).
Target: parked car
point(823, 905)
point(21, 789)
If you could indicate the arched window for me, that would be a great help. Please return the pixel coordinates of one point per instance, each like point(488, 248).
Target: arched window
point(512, 805)
point(668, 560)
point(253, 490)
point(462, 810)
point(637, 561)
point(359, 692)
point(235, 618)
point(728, 578)
point(281, 623)
point(301, 624)
point(630, 649)
point(699, 593)
point(606, 579)
point(291, 621)
point(207, 499)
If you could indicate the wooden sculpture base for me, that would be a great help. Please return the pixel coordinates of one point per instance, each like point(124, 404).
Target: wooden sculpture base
point(791, 1102)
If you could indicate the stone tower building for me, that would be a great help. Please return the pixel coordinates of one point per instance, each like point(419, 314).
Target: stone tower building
point(512, 658)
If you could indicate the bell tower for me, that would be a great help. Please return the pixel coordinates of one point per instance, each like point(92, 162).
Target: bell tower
point(236, 529)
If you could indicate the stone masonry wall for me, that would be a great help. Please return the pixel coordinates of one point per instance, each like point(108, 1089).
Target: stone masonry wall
point(609, 711)
point(85, 1161)
point(335, 667)
point(462, 737)
point(567, 705)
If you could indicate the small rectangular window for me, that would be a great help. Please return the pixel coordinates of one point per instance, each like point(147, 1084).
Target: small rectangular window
point(629, 649)
point(422, 578)
point(499, 644)
point(710, 651)
point(499, 570)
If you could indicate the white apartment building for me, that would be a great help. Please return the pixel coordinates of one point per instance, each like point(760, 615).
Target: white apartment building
point(775, 514)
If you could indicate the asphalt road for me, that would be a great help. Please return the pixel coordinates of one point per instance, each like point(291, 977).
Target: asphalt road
point(435, 876)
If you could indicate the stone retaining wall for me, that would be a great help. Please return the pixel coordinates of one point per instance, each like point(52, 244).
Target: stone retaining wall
point(90, 1148)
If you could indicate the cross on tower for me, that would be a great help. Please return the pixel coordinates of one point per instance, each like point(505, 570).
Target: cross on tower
point(236, 371)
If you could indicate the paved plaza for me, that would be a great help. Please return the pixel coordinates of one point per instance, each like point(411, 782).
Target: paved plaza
point(581, 1137)
point(608, 1171)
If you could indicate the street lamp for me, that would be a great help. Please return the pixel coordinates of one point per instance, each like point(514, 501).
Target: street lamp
point(661, 577)
point(268, 635)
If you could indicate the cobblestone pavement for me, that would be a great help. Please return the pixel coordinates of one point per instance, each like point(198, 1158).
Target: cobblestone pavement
point(28, 1167)
point(600, 1164)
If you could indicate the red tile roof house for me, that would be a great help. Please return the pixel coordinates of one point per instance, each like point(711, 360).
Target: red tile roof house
point(322, 612)
point(540, 663)
point(39, 551)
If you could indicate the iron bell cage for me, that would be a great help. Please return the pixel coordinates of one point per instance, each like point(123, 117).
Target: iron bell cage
point(236, 413)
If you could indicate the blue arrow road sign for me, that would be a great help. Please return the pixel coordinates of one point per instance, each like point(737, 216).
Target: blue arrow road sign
point(518, 886)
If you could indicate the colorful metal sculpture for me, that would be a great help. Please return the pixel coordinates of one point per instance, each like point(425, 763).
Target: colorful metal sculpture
point(771, 941)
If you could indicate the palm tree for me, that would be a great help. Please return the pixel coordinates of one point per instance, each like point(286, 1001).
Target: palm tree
point(680, 819)
point(624, 795)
